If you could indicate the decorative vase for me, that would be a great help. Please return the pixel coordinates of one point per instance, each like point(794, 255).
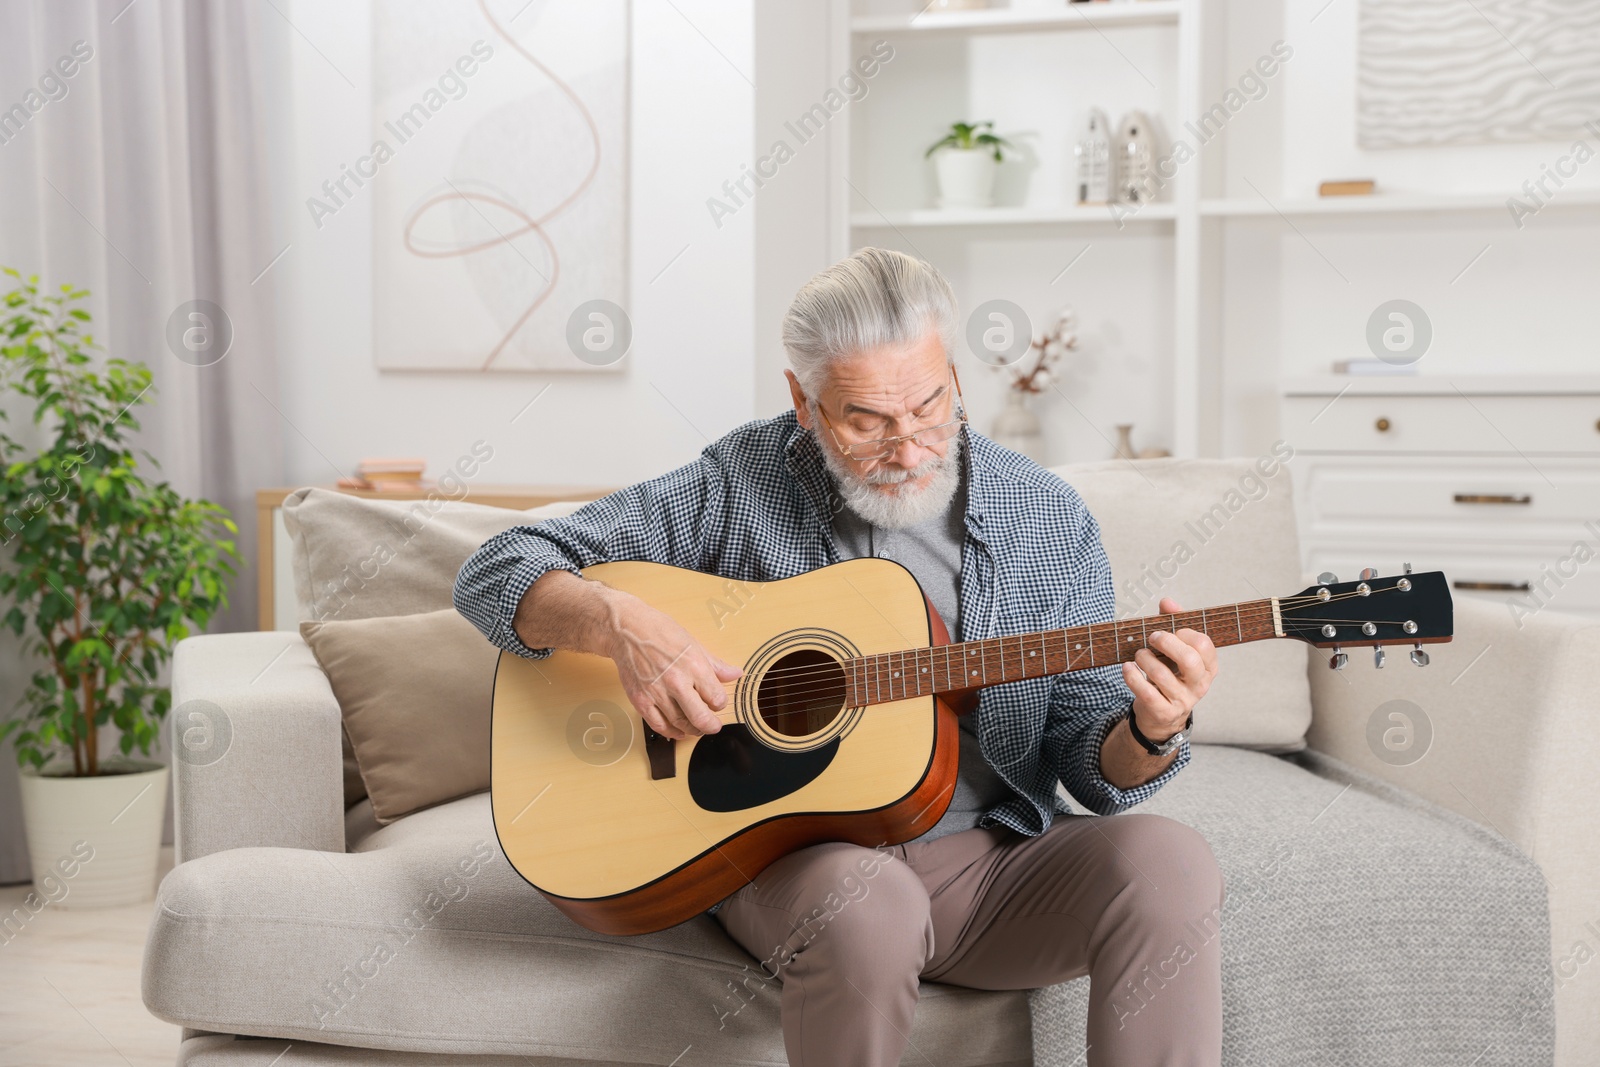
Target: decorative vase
point(94, 842)
point(966, 177)
point(1124, 442)
point(1093, 157)
point(1136, 159)
point(1017, 427)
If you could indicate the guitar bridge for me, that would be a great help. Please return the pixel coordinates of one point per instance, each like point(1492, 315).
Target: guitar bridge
point(662, 753)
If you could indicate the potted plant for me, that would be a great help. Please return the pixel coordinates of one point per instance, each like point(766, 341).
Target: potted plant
point(102, 571)
point(968, 156)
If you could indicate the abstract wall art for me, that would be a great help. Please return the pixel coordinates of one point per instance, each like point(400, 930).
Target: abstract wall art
point(1459, 72)
point(498, 176)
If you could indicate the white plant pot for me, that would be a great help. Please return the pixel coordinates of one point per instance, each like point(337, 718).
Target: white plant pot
point(966, 177)
point(94, 842)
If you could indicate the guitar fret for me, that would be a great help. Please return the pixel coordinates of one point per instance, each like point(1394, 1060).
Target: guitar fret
point(888, 676)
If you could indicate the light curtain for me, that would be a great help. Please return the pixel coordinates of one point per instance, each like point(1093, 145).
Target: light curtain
point(132, 164)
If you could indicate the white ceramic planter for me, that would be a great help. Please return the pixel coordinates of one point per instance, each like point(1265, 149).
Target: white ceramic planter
point(94, 842)
point(966, 177)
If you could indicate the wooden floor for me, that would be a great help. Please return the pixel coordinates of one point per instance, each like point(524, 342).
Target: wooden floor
point(69, 988)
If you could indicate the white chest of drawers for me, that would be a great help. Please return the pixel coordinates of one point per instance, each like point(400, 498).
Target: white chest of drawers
point(1495, 481)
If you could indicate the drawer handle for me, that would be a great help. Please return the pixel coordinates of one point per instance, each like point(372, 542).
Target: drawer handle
point(1492, 587)
point(1493, 498)
point(1382, 424)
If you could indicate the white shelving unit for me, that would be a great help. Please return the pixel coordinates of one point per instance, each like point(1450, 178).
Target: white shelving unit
point(1008, 216)
point(1009, 20)
point(948, 57)
point(1235, 277)
point(1388, 204)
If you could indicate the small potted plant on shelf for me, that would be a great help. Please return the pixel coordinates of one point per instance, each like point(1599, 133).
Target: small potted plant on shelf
point(968, 157)
point(102, 571)
point(1017, 426)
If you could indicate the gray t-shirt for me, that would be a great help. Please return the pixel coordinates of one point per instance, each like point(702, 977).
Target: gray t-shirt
point(932, 552)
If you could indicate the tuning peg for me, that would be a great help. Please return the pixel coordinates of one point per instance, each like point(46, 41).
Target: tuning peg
point(1368, 573)
point(1338, 659)
point(1407, 567)
point(1327, 578)
point(1377, 656)
point(1419, 657)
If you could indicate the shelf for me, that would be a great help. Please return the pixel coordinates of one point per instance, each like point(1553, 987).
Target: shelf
point(1387, 204)
point(1012, 216)
point(1013, 20)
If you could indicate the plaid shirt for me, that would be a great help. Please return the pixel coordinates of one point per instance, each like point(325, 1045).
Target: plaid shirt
point(756, 507)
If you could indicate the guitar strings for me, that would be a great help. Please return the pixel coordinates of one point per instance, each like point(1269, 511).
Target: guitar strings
point(794, 674)
point(841, 670)
point(1257, 611)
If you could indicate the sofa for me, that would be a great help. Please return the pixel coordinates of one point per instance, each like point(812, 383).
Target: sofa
point(1384, 906)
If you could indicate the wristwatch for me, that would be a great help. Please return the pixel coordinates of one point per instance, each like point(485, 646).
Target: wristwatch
point(1159, 748)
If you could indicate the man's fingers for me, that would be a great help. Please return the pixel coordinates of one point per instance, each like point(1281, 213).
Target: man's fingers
point(726, 672)
point(697, 718)
point(1158, 675)
point(1180, 653)
point(1140, 685)
point(656, 721)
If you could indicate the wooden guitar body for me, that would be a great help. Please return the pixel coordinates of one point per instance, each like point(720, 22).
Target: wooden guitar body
point(628, 833)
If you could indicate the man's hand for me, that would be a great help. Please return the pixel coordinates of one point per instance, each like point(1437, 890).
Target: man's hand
point(1166, 687)
point(674, 683)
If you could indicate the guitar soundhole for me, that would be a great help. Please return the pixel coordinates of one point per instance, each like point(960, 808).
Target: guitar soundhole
point(801, 693)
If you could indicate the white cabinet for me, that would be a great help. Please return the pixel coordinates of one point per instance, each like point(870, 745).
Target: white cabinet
point(1494, 481)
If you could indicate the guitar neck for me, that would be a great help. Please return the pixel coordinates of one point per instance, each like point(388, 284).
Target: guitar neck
point(965, 665)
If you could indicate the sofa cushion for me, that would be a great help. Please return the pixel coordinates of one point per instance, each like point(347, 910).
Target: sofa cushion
point(1361, 925)
point(424, 939)
point(415, 692)
point(1210, 532)
point(358, 558)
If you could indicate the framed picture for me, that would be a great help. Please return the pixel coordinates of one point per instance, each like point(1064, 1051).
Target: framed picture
point(498, 174)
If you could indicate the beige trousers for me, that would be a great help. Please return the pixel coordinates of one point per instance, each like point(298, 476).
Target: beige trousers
point(1132, 900)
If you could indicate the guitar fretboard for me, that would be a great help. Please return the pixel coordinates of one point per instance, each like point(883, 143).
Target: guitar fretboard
point(916, 672)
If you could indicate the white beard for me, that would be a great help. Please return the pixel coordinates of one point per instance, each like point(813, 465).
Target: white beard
point(901, 509)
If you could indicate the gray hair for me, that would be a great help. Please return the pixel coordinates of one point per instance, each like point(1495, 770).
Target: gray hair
point(873, 298)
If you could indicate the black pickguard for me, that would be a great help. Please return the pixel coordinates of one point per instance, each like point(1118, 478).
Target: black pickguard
point(730, 770)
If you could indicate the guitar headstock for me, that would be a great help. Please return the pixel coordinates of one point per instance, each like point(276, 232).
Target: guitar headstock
point(1403, 609)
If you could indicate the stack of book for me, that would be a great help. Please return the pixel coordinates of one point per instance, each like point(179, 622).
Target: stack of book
point(387, 475)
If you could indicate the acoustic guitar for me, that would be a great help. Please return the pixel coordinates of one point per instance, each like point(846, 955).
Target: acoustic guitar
point(842, 727)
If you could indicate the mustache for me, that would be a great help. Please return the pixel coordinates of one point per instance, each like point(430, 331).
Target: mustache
point(896, 475)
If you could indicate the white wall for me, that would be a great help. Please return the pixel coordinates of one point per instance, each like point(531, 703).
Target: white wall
point(689, 377)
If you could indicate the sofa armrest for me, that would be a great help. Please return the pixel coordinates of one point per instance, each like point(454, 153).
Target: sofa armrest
point(1514, 747)
point(256, 746)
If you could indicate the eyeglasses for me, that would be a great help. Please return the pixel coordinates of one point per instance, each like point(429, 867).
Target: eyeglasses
point(885, 447)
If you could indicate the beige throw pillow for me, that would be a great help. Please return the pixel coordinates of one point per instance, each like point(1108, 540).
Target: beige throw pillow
point(358, 558)
point(1211, 532)
point(415, 692)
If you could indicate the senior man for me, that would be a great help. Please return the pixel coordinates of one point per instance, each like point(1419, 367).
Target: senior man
point(1011, 889)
